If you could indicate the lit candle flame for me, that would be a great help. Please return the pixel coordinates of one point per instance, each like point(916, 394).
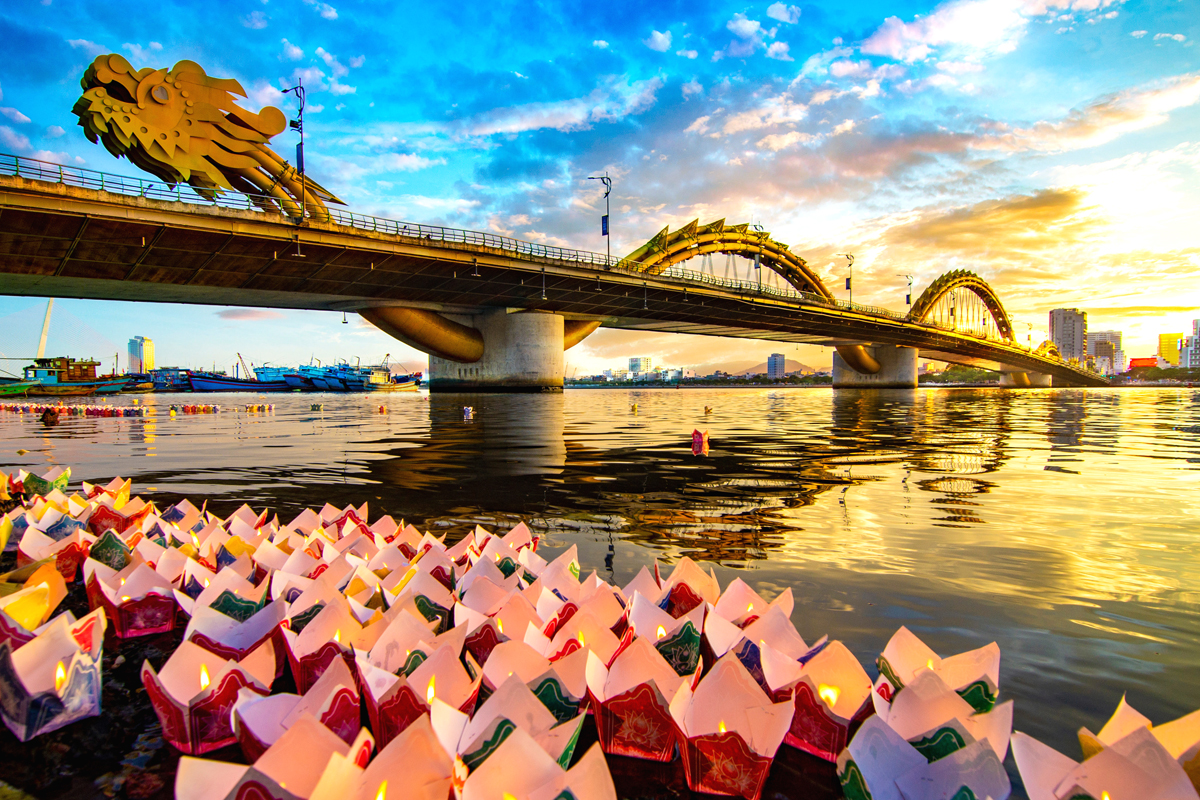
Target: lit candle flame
point(337, 636)
point(661, 631)
point(721, 726)
point(382, 793)
point(929, 663)
point(1104, 796)
point(579, 636)
point(125, 599)
point(829, 694)
point(508, 796)
point(500, 624)
point(750, 607)
point(196, 541)
point(60, 677)
point(204, 681)
point(429, 692)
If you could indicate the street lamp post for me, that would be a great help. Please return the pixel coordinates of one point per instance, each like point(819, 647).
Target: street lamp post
point(604, 228)
point(908, 296)
point(297, 125)
point(849, 278)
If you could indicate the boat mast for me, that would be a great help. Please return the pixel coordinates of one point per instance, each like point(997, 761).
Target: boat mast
point(45, 329)
point(250, 374)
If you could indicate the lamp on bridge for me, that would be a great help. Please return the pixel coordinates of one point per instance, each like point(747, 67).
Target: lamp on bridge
point(908, 295)
point(607, 181)
point(849, 278)
point(297, 125)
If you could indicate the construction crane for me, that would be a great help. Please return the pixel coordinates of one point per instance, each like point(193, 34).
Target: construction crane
point(250, 376)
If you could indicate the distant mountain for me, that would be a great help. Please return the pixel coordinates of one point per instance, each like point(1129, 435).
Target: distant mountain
point(742, 368)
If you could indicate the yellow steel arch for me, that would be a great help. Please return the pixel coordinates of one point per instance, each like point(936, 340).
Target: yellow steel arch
point(671, 247)
point(963, 279)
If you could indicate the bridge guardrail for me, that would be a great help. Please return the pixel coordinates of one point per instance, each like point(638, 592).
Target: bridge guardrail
point(81, 177)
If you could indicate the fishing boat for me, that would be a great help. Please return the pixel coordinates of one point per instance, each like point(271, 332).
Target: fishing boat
point(67, 377)
point(17, 388)
point(215, 382)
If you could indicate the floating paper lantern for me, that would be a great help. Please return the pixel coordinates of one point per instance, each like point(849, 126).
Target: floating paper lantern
point(54, 679)
point(194, 693)
point(137, 600)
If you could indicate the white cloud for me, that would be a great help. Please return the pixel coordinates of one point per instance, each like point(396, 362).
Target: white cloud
point(255, 20)
point(658, 41)
point(55, 131)
point(14, 115)
point(850, 69)
point(1138, 34)
point(1179, 37)
point(13, 140)
point(341, 88)
point(700, 125)
point(611, 102)
point(844, 127)
point(332, 62)
point(819, 62)
point(407, 162)
point(89, 47)
point(784, 13)
point(692, 87)
point(600, 43)
point(743, 27)
point(779, 52)
point(357, 62)
point(263, 94)
point(959, 67)
point(989, 26)
point(324, 9)
point(778, 141)
point(773, 111)
point(143, 54)
point(687, 53)
point(291, 52)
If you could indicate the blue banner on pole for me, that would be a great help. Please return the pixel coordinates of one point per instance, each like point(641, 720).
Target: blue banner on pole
point(300, 158)
point(847, 284)
point(604, 225)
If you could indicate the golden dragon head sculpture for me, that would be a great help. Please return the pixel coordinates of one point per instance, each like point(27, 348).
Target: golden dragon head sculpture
point(183, 125)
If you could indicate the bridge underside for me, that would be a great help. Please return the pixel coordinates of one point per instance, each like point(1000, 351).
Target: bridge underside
point(63, 241)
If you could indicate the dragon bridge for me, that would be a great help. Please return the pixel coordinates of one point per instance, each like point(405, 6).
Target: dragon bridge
point(693, 240)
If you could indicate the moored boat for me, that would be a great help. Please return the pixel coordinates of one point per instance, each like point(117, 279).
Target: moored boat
point(17, 388)
point(66, 377)
point(212, 382)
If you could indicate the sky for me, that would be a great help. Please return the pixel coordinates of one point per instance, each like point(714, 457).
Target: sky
point(1052, 146)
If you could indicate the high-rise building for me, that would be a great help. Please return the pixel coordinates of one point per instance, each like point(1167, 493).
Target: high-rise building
point(1168, 349)
point(1189, 354)
point(640, 364)
point(1105, 355)
point(776, 366)
point(1068, 331)
point(1114, 338)
point(141, 354)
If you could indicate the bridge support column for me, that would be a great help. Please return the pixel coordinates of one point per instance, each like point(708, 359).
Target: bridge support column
point(1026, 380)
point(521, 353)
point(897, 369)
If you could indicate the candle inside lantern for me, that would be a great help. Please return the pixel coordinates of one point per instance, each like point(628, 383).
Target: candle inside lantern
point(429, 694)
point(204, 679)
point(829, 694)
point(661, 631)
point(382, 793)
point(579, 636)
point(60, 677)
point(721, 726)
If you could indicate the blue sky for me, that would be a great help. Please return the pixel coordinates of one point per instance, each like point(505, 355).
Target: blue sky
point(1050, 145)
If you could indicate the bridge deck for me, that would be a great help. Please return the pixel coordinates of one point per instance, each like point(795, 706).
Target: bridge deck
point(66, 241)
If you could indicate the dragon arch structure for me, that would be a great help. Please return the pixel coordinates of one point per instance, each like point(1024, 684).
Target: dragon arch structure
point(669, 248)
point(184, 126)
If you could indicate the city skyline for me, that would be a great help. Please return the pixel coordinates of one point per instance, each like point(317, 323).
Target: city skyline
point(1045, 145)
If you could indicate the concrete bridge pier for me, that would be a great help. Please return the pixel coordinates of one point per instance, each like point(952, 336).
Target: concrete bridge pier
point(874, 367)
point(1026, 380)
point(521, 353)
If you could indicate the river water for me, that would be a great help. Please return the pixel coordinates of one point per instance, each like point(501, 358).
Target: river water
point(1062, 524)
